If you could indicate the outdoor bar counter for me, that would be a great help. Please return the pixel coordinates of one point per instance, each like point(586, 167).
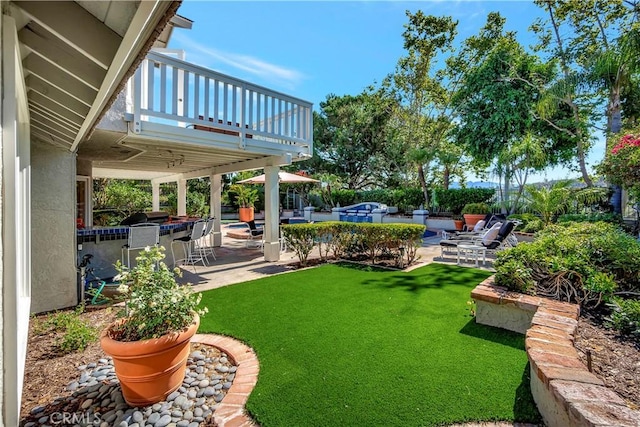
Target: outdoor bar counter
point(105, 244)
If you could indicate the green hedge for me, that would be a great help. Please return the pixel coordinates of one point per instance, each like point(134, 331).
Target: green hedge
point(585, 263)
point(592, 217)
point(334, 239)
point(530, 223)
point(454, 199)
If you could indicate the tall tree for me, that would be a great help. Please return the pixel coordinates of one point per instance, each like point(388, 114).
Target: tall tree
point(579, 35)
point(351, 137)
point(424, 119)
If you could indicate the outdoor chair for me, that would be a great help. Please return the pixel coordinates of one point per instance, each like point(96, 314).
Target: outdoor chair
point(140, 236)
point(205, 244)
point(190, 246)
point(498, 237)
point(255, 234)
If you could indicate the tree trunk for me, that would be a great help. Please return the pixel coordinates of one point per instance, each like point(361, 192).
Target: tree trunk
point(446, 177)
point(614, 114)
point(423, 184)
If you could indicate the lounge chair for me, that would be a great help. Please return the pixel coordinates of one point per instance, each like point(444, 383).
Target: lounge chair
point(498, 237)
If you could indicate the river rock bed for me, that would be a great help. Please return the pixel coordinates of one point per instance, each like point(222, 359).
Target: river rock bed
point(96, 397)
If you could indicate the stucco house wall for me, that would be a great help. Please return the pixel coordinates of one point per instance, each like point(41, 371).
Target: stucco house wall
point(53, 182)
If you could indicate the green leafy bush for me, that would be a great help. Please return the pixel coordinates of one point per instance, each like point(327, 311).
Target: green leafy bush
point(533, 226)
point(454, 199)
point(577, 262)
point(301, 238)
point(398, 241)
point(625, 316)
point(76, 335)
point(592, 217)
point(475, 209)
point(155, 304)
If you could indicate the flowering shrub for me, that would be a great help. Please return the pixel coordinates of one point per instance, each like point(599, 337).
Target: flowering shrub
point(155, 304)
point(622, 164)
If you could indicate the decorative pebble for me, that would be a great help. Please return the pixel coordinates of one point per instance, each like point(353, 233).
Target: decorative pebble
point(97, 391)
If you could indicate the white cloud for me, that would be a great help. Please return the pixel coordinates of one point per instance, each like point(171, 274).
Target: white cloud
point(213, 58)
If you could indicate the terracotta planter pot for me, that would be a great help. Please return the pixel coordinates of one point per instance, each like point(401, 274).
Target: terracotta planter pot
point(150, 370)
point(472, 219)
point(458, 223)
point(246, 214)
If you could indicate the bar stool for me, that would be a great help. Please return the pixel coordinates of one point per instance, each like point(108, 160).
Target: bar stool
point(192, 253)
point(140, 236)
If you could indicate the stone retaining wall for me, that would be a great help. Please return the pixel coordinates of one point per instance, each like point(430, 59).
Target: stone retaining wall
point(566, 393)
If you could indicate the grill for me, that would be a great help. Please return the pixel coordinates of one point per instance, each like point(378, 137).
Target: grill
point(158, 217)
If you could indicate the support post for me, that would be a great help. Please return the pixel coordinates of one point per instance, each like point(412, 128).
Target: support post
point(215, 207)
point(272, 214)
point(155, 196)
point(182, 197)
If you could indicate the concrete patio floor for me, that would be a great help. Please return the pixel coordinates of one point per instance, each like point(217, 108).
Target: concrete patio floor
point(236, 263)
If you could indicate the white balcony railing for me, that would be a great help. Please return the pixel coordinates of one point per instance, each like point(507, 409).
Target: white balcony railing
point(174, 92)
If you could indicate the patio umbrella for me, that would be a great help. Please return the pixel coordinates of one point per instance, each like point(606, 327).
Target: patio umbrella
point(284, 177)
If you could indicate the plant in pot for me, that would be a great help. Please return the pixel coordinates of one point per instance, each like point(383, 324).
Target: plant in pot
point(458, 221)
point(245, 198)
point(474, 212)
point(150, 342)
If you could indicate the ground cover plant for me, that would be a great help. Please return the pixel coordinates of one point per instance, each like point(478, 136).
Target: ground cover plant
point(353, 345)
point(585, 263)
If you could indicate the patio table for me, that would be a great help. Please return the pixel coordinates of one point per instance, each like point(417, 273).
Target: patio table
point(475, 250)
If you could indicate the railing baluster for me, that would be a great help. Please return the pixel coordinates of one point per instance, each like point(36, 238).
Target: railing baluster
point(174, 92)
point(206, 98)
point(186, 76)
point(150, 84)
point(234, 105)
point(250, 123)
point(163, 88)
point(280, 116)
point(225, 103)
point(216, 95)
point(196, 96)
point(258, 113)
point(273, 115)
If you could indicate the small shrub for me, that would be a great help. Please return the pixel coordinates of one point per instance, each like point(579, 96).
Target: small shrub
point(300, 238)
point(75, 334)
point(475, 209)
point(592, 217)
point(576, 262)
point(533, 226)
point(400, 241)
point(625, 316)
point(454, 199)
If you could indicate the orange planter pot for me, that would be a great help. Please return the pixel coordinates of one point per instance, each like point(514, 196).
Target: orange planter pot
point(459, 224)
point(246, 214)
point(150, 370)
point(472, 219)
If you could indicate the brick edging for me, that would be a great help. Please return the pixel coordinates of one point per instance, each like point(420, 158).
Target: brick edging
point(579, 396)
point(230, 411)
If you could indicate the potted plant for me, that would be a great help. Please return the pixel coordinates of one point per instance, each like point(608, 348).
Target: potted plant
point(458, 221)
point(150, 342)
point(474, 212)
point(246, 198)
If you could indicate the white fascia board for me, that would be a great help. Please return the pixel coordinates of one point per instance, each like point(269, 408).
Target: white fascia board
point(142, 26)
point(98, 172)
point(216, 140)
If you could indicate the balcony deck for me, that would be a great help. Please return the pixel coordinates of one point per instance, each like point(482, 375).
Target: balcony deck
point(185, 119)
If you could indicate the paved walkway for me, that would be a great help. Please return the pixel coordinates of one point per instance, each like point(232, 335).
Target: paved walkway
point(235, 263)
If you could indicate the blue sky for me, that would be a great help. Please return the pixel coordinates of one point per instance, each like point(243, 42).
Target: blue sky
point(312, 49)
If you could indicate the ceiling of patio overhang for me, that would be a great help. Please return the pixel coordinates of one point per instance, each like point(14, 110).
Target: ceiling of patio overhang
point(75, 55)
point(118, 155)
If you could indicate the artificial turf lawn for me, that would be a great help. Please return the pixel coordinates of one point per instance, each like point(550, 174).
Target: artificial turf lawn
point(340, 345)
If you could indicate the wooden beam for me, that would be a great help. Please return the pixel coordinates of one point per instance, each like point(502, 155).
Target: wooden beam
point(53, 134)
point(75, 26)
point(55, 117)
point(43, 44)
point(56, 77)
point(50, 105)
point(48, 138)
point(35, 83)
point(60, 128)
